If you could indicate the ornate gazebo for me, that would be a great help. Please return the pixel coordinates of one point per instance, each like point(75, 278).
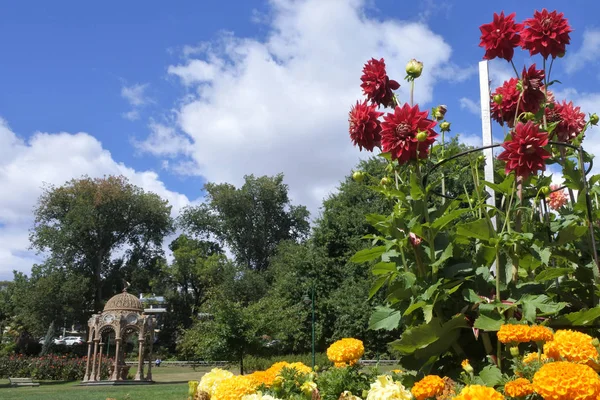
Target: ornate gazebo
point(124, 315)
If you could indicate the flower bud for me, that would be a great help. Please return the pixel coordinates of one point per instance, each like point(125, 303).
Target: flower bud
point(422, 136)
point(520, 85)
point(480, 159)
point(467, 367)
point(358, 176)
point(414, 69)
point(439, 112)
point(497, 99)
point(545, 190)
point(445, 126)
point(385, 181)
point(415, 241)
point(514, 351)
point(594, 119)
point(595, 342)
point(528, 116)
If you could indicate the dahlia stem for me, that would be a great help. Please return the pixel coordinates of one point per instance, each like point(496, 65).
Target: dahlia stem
point(515, 69)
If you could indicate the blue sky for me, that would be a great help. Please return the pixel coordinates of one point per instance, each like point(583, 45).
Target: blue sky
point(174, 94)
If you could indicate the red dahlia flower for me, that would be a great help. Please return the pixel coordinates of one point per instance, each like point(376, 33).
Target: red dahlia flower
point(507, 109)
point(533, 84)
point(500, 37)
point(399, 133)
point(377, 86)
point(525, 153)
point(365, 128)
point(547, 33)
point(571, 121)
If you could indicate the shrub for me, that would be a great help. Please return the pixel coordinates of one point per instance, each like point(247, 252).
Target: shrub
point(50, 367)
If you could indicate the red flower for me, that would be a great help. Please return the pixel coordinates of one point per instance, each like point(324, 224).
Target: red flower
point(571, 121)
point(415, 241)
point(533, 84)
point(377, 86)
point(546, 34)
point(500, 37)
point(557, 198)
point(507, 109)
point(525, 153)
point(365, 129)
point(399, 133)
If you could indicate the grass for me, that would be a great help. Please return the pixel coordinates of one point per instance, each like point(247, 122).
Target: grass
point(171, 384)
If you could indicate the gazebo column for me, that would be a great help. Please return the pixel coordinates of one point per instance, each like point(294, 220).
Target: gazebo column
point(115, 374)
point(99, 370)
point(151, 339)
point(86, 377)
point(93, 374)
point(139, 376)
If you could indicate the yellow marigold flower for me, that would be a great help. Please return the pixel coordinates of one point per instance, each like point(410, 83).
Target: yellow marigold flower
point(531, 357)
point(210, 380)
point(308, 388)
point(346, 351)
point(397, 371)
point(520, 387)
point(429, 386)
point(300, 367)
point(572, 346)
point(478, 392)
point(385, 388)
point(539, 333)
point(234, 388)
point(513, 333)
point(563, 380)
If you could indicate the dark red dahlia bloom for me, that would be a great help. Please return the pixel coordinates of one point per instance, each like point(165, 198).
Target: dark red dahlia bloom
point(525, 153)
point(505, 111)
point(376, 85)
point(547, 33)
point(500, 37)
point(533, 89)
point(365, 128)
point(571, 121)
point(399, 133)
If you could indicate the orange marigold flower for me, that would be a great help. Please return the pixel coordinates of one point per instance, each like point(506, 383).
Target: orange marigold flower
point(429, 386)
point(346, 351)
point(513, 333)
point(563, 380)
point(572, 346)
point(539, 333)
point(478, 392)
point(531, 357)
point(234, 388)
point(518, 388)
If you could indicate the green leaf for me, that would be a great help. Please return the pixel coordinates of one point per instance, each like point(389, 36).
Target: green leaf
point(379, 282)
point(570, 234)
point(503, 187)
point(429, 339)
point(441, 222)
point(491, 376)
point(487, 323)
point(552, 273)
point(451, 271)
point(384, 318)
point(368, 254)
point(428, 312)
point(446, 254)
point(413, 307)
point(416, 191)
point(383, 268)
point(479, 229)
point(579, 318)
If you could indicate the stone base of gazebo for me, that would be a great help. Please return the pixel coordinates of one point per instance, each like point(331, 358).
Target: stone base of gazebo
point(115, 383)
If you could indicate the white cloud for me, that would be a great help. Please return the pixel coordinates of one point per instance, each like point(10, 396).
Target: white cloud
point(135, 94)
point(499, 71)
point(132, 115)
point(281, 104)
point(25, 166)
point(163, 141)
point(470, 106)
point(587, 54)
point(470, 139)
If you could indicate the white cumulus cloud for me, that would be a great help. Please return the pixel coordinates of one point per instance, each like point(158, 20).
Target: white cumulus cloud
point(587, 54)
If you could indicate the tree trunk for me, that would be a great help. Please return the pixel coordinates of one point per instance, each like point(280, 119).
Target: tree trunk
point(241, 363)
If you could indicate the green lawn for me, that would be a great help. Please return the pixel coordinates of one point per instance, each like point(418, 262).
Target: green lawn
point(171, 384)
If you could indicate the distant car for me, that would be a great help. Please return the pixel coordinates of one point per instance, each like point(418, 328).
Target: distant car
point(71, 340)
point(55, 341)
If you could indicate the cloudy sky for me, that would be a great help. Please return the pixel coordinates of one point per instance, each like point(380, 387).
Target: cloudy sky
point(174, 94)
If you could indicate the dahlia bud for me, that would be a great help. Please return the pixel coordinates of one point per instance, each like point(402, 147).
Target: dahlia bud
point(480, 159)
point(594, 119)
point(467, 367)
point(422, 136)
point(528, 116)
point(385, 181)
point(498, 99)
point(595, 342)
point(561, 55)
point(415, 241)
point(413, 69)
point(358, 176)
point(545, 190)
point(445, 126)
point(514, 351)
point(439, 112)
point(520, 85)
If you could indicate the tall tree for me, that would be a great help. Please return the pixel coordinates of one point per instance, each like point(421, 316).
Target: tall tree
point(83, 223)
point(251, 220)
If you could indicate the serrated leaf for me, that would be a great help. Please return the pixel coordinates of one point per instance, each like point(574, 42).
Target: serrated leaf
point(379, 282)
point(487, 323)
point(366, 255)
point(552, 273)
point(480, 229)
point(491, 376)
point(444, 220)
point(579, 318)
point(413, 307)
point(383, 268)
point(384, 318)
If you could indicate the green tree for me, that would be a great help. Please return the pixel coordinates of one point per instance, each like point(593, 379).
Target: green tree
point(83, 223)
point(251, 220)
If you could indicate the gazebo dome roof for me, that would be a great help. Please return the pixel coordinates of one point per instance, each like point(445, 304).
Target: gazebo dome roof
point(124, 302)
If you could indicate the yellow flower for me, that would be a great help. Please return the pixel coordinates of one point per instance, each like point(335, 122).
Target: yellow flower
point(467, 366)
point(308, 388)
point(572, 346)
point(513, 333)
point(539, 333)
point(300, 367)
point(385, 388)
point(348, 396)
point(563, 380)
point(429, 386)
point(234, 388)
point(210, 380)
point(396, 371)
point(531, 357)
point(478, 392)
point(520, 387)
point(346, 351)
